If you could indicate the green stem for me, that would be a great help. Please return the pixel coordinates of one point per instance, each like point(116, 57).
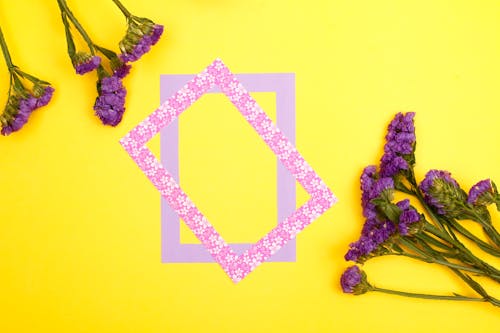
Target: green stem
point(433, 241)
point(123, 9)
point(477, 288)
point(18, 85)
point(5, 50)
point(473, 284)
point(466, 233)
point(466, 257)
point(428, 296)
point(2, 115)
point(488, 228)
point(456, 243)
point(402, 188)
point(425, 257)
point(64, 8)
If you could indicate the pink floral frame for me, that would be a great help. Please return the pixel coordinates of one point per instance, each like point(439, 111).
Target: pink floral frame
point(236, 266)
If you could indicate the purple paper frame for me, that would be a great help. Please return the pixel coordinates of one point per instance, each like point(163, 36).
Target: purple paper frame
point(283, 84)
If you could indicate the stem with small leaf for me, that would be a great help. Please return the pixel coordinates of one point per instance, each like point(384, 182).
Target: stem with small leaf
point(455, 297)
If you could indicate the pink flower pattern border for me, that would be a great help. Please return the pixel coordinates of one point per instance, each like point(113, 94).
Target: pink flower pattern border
point(236, 266)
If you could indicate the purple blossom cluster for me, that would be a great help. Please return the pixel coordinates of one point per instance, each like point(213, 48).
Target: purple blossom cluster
point(122, 70)
point(374, 233)
point(408, 217)
point(399, 229)
point(22, 108)
point(372, 187)
point(109, 105)
point(141, 35)
point(368, 179)
point(87, 64)
point(434, 188)
point(143, 45)
point(400, 145)
point(375, 230)
point(481, 193)
point(350, 279)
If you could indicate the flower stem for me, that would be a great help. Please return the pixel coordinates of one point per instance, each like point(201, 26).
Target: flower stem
point(123, 9)
point(433, 241)
point(488, 228)
point(433, 261)
point(429, 258)
point(466, 233)
point(5, 51)
point(65, 9)
point(428, 296)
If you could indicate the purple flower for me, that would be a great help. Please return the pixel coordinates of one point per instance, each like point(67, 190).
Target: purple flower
point(134, 47)
point(6, 130)
point(481, 193)
point(371, 188)
point(109, 105)
point(18, 122)
point(353, 281)
point(122, 71)
point(20, 109)
point(156, 34)
point(45, 98)
point(353, 254)
point(383, 186)
point(377, 232)
point(403, 204)
point(350, 279)
point(368, 179)
point(443, 193)
point(385, 230)
point(391, 164)
point(407, 218)
point(85, 63)
point(374, 233)
point(360, 249)
point(400, 145)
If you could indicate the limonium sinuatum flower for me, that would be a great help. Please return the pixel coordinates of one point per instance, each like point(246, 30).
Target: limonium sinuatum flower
point(400, 145)
point(399, 229)
point(353, 281)
point(142, 33)
point(483, 193)
point(443, 193)
point(109, 105)
point(22, 100)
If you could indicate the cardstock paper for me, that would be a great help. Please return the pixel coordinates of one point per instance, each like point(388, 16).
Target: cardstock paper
point(283, 85)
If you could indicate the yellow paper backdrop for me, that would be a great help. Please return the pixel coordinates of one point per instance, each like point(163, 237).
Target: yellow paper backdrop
point(80, 224)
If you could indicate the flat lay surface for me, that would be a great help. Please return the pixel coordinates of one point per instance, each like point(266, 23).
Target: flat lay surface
point(81, 225)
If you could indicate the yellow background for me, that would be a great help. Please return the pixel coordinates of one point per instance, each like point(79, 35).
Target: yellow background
point(80, 224)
